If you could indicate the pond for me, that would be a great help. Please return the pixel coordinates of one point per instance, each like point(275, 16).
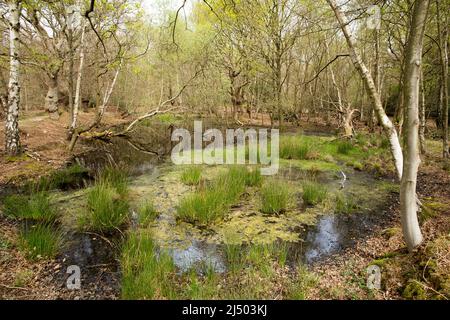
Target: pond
point(312, 233)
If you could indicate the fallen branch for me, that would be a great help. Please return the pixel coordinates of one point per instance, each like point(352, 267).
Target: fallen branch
point(142, 149)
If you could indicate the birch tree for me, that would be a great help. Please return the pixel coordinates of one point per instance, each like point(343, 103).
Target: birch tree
point(406, 171)
point(442, 29)
point(12, 137)
point(374, 95)
point(76, 103)
point(413, 61)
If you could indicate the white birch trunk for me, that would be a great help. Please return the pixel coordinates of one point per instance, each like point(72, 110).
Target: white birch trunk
point(383, 119)
point(108, 93)
point(76, 104)
point(422, 115)
point(413, 61)
point(443, 52)
point(12, 137)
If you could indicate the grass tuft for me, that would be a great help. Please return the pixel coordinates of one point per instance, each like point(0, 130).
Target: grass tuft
point(213, 202)
point(147, 274)
point(115, 177)
point(344, 147)
point(35, 207)
point(147, 213)
point(106, 209)
point(313, 193)
point(304, 281)
point(345, 204)
point(274, 197)
point(40, 241)
point(191, 175)
point(295, 148)
point(254, 178)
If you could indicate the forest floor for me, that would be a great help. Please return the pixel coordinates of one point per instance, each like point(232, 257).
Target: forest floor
point(423, 274)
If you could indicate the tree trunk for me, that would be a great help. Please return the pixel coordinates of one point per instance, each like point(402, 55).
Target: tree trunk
point(70, 75)
point(443, 52)
point(51, 100)
point(413, 61)
point(76, 104)
point(383, 119)
point(348, 121)
point(377, 77)
point(12, 137)
point(100, 110)
point(398, 116)
point(3, 97)
point(422, 115)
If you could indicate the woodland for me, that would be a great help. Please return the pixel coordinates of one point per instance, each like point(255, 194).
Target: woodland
point(92, 207)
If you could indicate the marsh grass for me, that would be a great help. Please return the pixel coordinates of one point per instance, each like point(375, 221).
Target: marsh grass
point(147, 213)
point(233, 255)
point(201, 287)
point(239, 256)
point(40, 241)
point(344, 147)
point(292, 147)
point(344, 204)
point(36, 207)
point(274, 197)
point(106, 210)
point(254, 178)
point(363, 152)
point(146, 273)
point(258, 264)
point(253, 271)
point(304, 281)
point(313, 193)
point(213, 201)
point(191, 175)
point(116, 177)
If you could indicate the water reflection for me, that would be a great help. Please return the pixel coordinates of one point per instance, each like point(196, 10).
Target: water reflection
point(198, 255)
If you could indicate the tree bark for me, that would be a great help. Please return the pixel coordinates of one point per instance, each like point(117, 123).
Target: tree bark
point(70, 75)
point(383, 119)
point(76, 104)
point(422, 115)
point(443, 52)
point(12, 137)
point(348, 121)
point(52, 97)
point(377, 77)
point(3, 96)
point(413, 60)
